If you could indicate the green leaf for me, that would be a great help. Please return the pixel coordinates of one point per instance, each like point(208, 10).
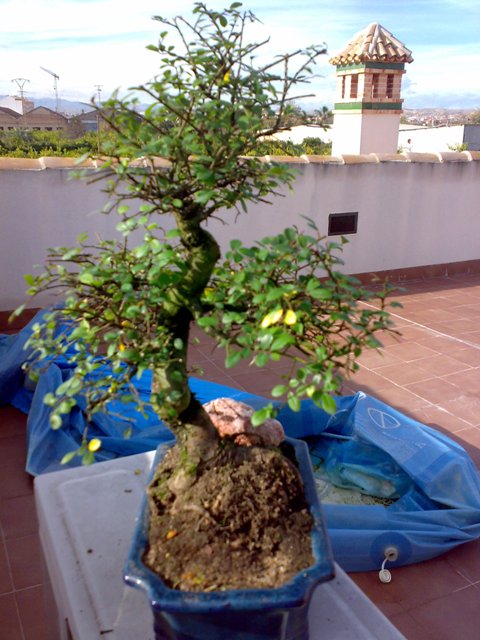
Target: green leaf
point(329, 404)
point(64, 407)
point(232, 359)
point(178, 344)
point(176, 376)
point(67, 457)
point(261, 415)
point(316, 290)
point(294, 404)
point(29, 279)
point(88, 458)
point(261, 359)
point(279, 390)
point(86, 277)
point(18, 311)
point(317, 397)
point(75, 387)
point(34, 376)
point(204, 195)
point(274, 294)
point(206, 321)
point(71, 253)
point(290, 234)
point(49, 399)
point(55, 421)
point(282, 341)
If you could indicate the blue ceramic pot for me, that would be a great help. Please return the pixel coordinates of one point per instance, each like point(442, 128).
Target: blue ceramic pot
point(250, 614)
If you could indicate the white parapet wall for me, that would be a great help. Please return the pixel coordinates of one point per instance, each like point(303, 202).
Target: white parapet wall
point(413, 210)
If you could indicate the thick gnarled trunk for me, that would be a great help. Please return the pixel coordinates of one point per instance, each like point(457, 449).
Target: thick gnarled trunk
point(172, 398)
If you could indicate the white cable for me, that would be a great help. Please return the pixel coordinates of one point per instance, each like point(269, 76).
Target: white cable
point(384, 574)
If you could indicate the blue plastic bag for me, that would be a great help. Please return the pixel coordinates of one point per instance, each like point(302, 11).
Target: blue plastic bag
point(365, 445)
point(438, 486)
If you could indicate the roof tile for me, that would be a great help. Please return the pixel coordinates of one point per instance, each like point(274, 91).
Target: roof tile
point(373, 44)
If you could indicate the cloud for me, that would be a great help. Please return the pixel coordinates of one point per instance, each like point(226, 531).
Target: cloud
point(89, 42)
point(446, 70)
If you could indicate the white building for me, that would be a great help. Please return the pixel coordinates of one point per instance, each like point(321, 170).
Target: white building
point(368, 106)
point(433, 139)
point(17, 104)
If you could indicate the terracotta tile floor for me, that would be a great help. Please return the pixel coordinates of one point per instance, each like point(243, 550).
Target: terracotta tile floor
point(432, 372)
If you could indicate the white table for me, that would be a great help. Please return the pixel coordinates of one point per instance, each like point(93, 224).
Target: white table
point(86, 518)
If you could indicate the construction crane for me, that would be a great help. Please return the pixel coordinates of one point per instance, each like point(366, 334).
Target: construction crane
point(55, 86)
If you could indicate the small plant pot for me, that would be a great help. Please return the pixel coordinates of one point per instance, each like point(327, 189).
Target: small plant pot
point(250, 614)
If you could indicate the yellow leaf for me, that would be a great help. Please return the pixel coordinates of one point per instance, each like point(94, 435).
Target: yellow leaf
point(121, 347)
point(171, 534)
point(94, 444)
point(290, 317)
point(277, 316)
point(271, 318)
point(226, 77)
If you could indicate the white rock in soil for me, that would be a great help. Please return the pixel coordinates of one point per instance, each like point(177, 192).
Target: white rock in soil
point(232, 419)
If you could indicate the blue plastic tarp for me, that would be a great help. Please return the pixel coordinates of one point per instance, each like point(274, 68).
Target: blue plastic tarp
point(367, 445)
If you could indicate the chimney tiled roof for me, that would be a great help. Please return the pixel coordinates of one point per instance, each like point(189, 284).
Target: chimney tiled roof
point(373, 44)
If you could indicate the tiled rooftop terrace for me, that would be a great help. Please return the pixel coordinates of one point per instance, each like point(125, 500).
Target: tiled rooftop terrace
point(432, 373)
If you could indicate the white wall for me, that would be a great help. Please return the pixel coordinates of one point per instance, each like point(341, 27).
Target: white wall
point(409, 213)
point(360, 133)
point(413, 210)
point(430, 139)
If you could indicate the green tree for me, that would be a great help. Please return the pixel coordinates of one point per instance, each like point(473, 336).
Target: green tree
point(308, 146)
point(187, 159)
point(474, 117)
point(323, 117)
point(25, 143)
point(458, 146)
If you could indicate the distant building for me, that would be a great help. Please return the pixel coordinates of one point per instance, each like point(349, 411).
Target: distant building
point(45, 119)
point(17, 104)
point(39, 119)
point(369, 104)
point(433, 139)
point(89, 121)
point(8, 119)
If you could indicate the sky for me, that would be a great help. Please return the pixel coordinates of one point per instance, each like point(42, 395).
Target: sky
point(91, 43)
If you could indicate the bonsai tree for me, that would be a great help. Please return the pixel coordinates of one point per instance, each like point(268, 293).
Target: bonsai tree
point(168, 170)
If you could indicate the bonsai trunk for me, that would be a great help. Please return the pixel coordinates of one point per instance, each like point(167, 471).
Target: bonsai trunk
point(173, 400)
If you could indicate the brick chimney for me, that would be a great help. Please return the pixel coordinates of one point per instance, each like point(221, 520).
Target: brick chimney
point(369, 104)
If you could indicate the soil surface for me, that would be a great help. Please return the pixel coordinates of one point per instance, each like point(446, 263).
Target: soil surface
point(243, 524)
